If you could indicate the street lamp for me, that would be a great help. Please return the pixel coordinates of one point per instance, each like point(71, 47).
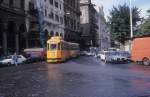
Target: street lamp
point(131, 27)
point(131, 21)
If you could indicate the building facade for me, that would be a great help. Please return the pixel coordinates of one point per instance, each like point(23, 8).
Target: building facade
point(89, 25)
point(103, 34)
point(54, 17)
point(45, 18)
point(12, 26)
point(72, 20)
point(32, 24)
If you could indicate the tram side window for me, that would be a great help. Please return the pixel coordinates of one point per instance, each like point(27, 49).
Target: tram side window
point(67, 47)
point(74, 47)
point(48, 46)
point(59, 46)
point(63, 47)
point(53, 46)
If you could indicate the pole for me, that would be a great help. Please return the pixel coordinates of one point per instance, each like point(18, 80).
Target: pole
point(131, 27)
point(131, 22)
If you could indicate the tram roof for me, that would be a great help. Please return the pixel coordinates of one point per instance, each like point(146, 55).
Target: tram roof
point(59, 39)
point(56, 39)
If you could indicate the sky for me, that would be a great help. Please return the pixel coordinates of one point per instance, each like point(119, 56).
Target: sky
point(143, 5)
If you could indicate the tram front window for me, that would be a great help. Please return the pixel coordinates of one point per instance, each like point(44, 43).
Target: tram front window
point(53, 47)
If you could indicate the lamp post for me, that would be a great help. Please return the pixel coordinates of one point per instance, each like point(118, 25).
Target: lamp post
point(131, 21)
point(131, 27)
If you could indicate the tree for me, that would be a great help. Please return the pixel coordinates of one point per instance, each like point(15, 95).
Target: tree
point(145, 29)
point(119, 21)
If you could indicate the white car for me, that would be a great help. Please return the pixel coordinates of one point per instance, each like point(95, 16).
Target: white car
point(118, 57)
point(9, 60)
point(113, 56)
point(104, 55)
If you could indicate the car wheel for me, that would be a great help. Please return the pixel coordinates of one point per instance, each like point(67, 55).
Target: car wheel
point(23, 63)
point(9, 64)
point(105, 61)
point(146, 62)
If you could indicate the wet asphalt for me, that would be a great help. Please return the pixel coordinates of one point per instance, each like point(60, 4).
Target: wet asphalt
point(81, 77)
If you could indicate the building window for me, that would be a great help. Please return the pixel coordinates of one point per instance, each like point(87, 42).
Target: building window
point(78, 25)
point(57, 18)
point(51, 15)
point(22, 4)
point(51, 2)
point(75, 25)
point(56, 4)
point(57, 34)
point(61, 20)
point(60, 7)
point(45, 12)
point(11, 3)
point(31, 6)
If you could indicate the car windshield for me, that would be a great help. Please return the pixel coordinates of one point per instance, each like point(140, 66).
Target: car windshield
point(5, 57)
point(109, 53)
point(114, 53)
point(125, 54)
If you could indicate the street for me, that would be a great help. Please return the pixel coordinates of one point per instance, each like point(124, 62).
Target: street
point(81, 77)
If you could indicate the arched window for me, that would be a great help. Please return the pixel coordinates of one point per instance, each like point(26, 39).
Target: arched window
point(51, 33)
point(46, 34)
point(61, 34)
point(57, 34)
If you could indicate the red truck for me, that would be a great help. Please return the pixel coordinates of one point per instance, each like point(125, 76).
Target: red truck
point(141, 50)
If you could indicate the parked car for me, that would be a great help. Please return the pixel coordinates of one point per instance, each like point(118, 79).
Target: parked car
point(100, 54)
point(8, 60)
point(104, 55)
point(114, 56)
point(35, 54)
point(113, 49)
point(32, 59)
point(86, 53)
point(93, 51)
point(89, 54)
point(82, 53)
point(127, 55)
point(119, 57)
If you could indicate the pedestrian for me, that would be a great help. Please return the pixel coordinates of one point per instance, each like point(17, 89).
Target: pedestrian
point(15, 59)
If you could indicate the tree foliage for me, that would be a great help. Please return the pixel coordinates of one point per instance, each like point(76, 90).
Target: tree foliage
point(119, 21)
point(146, 25)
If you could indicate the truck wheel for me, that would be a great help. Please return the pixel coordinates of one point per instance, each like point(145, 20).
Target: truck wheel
point(146, 62)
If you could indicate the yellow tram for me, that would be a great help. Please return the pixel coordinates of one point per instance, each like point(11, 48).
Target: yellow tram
point(59, 50)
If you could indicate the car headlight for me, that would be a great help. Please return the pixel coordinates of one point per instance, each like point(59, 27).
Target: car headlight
point(2, 62)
